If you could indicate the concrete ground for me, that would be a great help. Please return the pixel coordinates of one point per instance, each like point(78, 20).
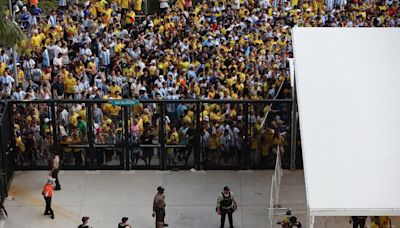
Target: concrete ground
point(107, 196)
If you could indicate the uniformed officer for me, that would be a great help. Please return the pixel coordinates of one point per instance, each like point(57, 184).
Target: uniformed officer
point(226, 205)
point(159, 208)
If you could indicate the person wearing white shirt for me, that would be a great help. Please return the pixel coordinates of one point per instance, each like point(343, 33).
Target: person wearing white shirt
point(85, 50)
point(4, 57)
point(19, 94)
point(6, 82)
point(53, 19)
point(28, 66)
point(57, 61)
point(163, 6)
point(159, 81)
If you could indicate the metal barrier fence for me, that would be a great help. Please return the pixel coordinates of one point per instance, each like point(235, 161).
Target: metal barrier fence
point(6, 149)
point(138, 134)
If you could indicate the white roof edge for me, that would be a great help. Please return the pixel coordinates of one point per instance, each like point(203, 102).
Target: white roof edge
point(299, 107)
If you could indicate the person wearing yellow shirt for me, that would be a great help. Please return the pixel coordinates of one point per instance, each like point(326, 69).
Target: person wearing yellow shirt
point(64, 73)
point(114, 88)
point(125, 4)
point(115, 110)
point(93, 12)
point(137, 6)
point(36, 40)
point(82, 113)
point(119, 47)
point(73, 120)
point(171, 140)
point(107, 14)
point(21, 75)
point(69, 82)
point(213, 146)
point(2, 68)
point(184, 64)
point(130, 18)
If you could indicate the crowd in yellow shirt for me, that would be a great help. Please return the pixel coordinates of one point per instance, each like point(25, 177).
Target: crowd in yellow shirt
point(223, 50)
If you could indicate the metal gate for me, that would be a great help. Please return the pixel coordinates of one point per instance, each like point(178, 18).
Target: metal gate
point(139, 134)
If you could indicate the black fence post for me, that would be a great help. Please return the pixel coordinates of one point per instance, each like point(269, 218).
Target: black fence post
point(11, 141)
point(197, 145)
point(126, 138)
point(90, 135)
point(55, 129)
point(245, 147)
point(161, 139)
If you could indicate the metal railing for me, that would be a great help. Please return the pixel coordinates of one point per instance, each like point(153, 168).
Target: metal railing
point(88, 147)
point(6, 149)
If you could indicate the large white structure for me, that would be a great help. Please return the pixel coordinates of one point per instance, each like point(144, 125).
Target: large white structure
point(348, 86)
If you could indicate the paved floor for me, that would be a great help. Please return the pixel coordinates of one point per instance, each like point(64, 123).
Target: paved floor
point(106, 196)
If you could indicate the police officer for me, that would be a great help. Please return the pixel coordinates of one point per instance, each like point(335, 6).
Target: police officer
point(48, 194)
point(226, 205)
point(55, 169)
point(159, 207)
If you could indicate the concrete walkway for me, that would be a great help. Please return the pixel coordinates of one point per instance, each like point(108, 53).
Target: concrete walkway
point(107, 196)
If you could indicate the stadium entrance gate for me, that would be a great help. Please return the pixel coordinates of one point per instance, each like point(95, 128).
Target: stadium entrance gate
point(80, 131)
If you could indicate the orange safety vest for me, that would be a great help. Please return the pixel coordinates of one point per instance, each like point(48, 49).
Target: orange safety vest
point(48, 190)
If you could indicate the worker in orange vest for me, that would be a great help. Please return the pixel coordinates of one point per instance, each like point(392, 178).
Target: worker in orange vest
point(48, 194)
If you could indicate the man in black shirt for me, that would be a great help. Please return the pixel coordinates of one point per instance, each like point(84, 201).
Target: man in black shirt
point(32, 85)
point(58, 88)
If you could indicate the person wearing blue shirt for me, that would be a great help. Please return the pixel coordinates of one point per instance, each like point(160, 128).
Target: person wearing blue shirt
point(46, 57)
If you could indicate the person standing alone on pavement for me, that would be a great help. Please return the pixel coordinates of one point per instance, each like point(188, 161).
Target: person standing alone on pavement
point(48, 194)
point(85, 221)
point(226, 205)
point(159, 208)
point(124, 223)
point(54, 169)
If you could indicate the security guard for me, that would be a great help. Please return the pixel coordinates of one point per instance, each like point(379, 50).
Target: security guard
point(159, 207)
point(48, 194)
point(226, 205)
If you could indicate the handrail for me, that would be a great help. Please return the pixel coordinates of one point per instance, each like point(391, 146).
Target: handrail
point(275, 99)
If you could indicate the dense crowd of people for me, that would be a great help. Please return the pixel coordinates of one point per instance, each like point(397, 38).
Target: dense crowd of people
point(223, 50)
